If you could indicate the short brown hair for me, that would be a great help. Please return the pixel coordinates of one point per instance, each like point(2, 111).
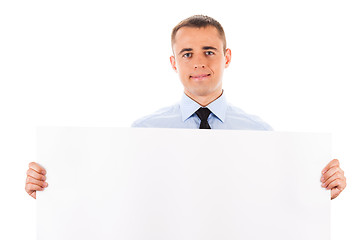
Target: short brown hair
point(199, 21)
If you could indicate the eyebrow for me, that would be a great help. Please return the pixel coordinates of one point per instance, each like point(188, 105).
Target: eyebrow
point(209, 47)
point(185, 50)
point(190, 49)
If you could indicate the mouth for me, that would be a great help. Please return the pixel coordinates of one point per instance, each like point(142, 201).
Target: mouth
point(199, 76)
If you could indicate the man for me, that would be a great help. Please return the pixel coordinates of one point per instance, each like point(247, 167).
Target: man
point(200, 57)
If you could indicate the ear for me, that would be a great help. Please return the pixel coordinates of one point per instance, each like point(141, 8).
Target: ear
point(227, 57)
point(173, 63)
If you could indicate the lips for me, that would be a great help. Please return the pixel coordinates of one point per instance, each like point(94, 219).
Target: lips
point(199, 76)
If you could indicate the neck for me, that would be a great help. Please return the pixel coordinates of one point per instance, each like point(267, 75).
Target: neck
point(204, 100)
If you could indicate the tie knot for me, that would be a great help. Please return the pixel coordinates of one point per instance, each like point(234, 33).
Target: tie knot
point(203, 113)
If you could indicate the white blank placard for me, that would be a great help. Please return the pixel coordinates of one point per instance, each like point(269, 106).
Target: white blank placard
point(137, 184)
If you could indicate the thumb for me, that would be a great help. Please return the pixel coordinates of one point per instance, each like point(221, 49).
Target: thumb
point(334, 193)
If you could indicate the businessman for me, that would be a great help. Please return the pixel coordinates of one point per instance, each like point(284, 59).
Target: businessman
point(200, 57)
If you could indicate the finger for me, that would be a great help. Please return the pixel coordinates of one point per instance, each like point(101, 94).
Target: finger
point(335, 176)
point(334, 193)
point(330, 173)
point(36, 182)
point(339, 183)
point(33, 194)
point(32, 173)
point(30, 187)
point(331, 164)
point(37, 168)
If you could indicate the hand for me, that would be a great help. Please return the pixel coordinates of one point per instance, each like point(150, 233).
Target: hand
point(333, 178)
point(35, 180)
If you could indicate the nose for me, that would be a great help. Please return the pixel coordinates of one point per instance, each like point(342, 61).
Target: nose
point(199, 62)
point(199, 66)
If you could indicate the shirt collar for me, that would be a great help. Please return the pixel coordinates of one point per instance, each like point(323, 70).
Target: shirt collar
point(188, 107)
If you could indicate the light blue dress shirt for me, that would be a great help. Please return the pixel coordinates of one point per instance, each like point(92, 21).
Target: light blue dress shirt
point(182, 115)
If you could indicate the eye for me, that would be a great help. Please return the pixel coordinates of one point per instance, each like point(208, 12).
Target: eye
point(209, 53)
point(187, 55)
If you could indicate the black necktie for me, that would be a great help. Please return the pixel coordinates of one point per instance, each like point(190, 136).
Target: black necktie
point(203, 114)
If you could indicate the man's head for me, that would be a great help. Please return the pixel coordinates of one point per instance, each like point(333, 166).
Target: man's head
point(199, 21)
point(200, 57)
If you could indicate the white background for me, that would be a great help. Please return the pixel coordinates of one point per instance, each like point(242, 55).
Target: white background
point(106, 63)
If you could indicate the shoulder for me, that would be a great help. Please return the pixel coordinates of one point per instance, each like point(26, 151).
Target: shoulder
point(161, 118)
point(243, 120)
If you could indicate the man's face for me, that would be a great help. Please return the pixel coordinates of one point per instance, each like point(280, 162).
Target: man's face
point(200, 61)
